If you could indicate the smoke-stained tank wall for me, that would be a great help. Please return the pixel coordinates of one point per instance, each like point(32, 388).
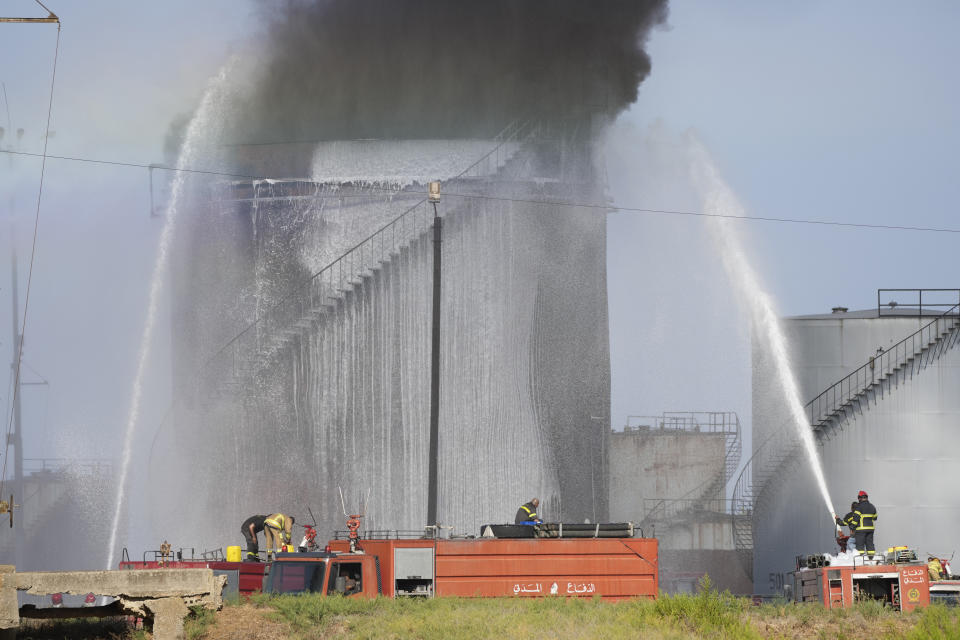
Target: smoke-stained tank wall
point(328, 386)
point(343, 401)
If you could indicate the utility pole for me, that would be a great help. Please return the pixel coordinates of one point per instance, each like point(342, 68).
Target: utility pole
point(16, 438)
point(434, 198)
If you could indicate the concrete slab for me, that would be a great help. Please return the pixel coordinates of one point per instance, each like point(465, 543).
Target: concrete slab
point(144, 583)
point(164, 595)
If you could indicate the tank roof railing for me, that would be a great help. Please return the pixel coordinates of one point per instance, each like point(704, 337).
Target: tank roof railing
point(387, 534)
point(911, 302)
point(696, 421)
point(83, 466)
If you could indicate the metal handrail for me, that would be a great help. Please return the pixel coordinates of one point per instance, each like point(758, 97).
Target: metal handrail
point(67, 465)
point(383, 534)
point(714, 422)
point(895, 308)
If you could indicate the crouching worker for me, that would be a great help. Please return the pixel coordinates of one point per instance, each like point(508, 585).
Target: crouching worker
point(527, 513)
point(250, 528)
point(277, 529)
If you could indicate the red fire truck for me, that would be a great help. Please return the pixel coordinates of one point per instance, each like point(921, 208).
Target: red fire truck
point(896, 577)
point(525, 561)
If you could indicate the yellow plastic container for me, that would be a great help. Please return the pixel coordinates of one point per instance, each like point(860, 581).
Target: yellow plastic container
point(233, 554)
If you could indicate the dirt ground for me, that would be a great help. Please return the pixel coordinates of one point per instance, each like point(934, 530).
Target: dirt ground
point(245, 622)
point(854, 627)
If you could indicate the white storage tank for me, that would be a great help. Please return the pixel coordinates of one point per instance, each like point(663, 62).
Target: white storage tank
point(892, 429)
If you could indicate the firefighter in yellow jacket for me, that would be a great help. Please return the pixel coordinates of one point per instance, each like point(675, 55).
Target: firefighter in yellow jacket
point(277, 529)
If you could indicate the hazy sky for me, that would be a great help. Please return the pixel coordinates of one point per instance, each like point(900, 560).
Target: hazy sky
point(822, 110)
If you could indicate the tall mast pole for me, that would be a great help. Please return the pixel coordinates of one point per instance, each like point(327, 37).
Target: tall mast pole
point(16, 438)
point(433, 462)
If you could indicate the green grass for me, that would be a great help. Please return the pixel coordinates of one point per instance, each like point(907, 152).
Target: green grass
point(707, 614)
point(197, 623)
point(936, 622)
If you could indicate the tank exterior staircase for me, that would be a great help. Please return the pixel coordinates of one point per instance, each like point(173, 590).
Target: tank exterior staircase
point(334, 287)
point(828, 412)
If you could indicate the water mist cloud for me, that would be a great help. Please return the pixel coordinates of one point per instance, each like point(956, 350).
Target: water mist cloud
point(336, 69)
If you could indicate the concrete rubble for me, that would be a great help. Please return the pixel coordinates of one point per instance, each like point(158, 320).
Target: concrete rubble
point(164, 595)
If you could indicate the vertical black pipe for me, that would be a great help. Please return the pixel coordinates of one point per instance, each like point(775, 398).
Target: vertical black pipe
point(16, 438)
point(435, 375)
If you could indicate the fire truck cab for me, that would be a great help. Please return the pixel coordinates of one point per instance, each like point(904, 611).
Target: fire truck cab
point(945, 592)
point(324, 572)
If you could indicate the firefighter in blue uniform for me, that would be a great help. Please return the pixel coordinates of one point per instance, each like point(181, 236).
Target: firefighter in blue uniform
point(851, 520)
point(866, 524)
point(527, 513)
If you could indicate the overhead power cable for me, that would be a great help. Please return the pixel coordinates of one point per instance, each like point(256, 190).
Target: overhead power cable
point(703, 214)
point(139, 165)
point(554, 203)
point(223, 174)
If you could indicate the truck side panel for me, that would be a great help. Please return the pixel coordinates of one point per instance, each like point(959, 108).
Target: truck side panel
point(608, 568)
point(914, 587)
point(578, 586)
point(586, 567)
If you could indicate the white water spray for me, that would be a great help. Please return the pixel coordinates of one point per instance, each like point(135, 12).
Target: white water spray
point(197, 129)
point(720, 199)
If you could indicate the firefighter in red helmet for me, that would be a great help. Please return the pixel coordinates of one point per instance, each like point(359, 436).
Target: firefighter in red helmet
point(867, 514)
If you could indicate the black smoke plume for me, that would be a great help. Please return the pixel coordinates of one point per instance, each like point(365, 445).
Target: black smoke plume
point(341, 69)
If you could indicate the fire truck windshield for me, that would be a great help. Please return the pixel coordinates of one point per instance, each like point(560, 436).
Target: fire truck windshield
point(296, 577)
